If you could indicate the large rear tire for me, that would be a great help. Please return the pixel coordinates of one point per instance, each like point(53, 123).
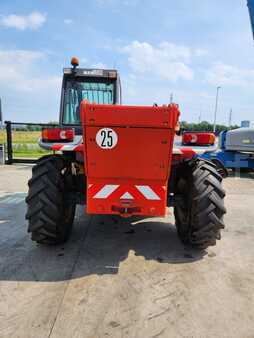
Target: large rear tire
point(199, 212)
point(50, 202)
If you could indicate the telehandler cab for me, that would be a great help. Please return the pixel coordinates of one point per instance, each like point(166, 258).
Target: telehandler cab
point(119, 160)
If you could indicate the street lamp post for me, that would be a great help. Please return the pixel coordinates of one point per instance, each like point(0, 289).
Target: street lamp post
point(216, 108)
point(230, 118)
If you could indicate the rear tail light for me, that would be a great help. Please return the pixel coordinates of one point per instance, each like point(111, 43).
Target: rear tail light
point(212, 139)
point(58, 134)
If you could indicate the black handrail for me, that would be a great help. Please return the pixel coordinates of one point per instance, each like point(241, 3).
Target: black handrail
point(9, 143)
point(32, 124)
point(8, 126)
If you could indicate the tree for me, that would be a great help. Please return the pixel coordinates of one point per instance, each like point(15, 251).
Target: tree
point(204, 126)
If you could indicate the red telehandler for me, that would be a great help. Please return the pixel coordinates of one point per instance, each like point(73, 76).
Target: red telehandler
point(119, 160)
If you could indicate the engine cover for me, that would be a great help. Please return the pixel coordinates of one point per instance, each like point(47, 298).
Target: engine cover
point(241, 139)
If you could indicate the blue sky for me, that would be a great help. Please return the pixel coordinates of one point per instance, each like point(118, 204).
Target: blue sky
point(188, 47)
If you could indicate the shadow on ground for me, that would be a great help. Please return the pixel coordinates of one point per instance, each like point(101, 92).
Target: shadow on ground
point(98, 246)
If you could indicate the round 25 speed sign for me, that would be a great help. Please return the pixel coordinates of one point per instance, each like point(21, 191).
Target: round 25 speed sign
point(106, 138)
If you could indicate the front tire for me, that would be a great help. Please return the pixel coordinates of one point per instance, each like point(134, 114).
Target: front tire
point(199, 213)
point(50, 203)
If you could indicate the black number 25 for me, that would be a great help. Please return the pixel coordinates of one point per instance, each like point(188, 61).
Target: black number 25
point(107, 139)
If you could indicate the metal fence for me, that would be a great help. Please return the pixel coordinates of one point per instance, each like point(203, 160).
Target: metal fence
point(2, 154)
point(21, 142)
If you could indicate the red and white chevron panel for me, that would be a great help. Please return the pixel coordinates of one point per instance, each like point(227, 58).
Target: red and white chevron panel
point(67, 147)
point(127, 199)
point(147, 192)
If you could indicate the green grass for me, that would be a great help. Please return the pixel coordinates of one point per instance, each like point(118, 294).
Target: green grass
point(2, 136)
point(21, 137)
point(25, 144)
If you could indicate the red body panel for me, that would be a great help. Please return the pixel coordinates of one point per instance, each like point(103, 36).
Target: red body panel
point(139, 154)
point(198, 138)
point(130, 177)
point(134, 116)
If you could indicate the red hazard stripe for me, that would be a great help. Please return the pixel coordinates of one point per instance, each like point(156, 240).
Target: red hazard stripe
point(159, 190)
point(127, 189)
point(93, 189)
point(57, 147)
point(188, 153)
point(67, 147)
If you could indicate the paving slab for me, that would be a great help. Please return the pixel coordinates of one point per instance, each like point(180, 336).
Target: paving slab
point(125, 277)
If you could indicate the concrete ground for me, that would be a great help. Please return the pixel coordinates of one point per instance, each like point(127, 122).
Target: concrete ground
point(125, 278)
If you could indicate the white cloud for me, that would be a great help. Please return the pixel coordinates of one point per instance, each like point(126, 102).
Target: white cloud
point(201, 52)
point(99, 65)
point(32, 21)
point(224, 74)
point(18, 68)
point(68, 21)
point(19, 56)
point(27, 91)
point(166, 61)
